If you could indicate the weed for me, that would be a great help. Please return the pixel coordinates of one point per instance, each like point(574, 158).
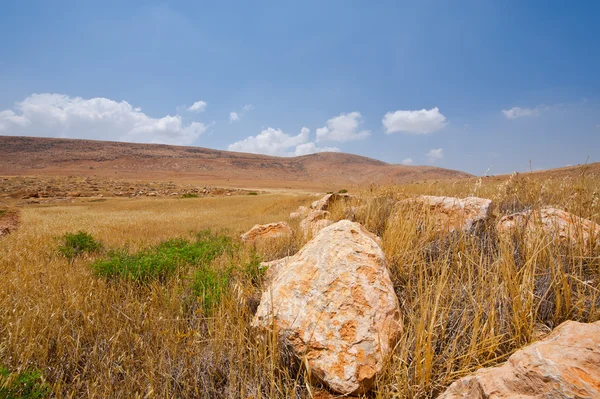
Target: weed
point(161, 261)
point(189, 195)
point(27, 384)
point(252, 193)
point(76, 244)
point(209, 285)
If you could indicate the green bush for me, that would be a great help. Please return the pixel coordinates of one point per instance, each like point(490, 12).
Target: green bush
point(161, 261)
point(252, 193)
point(343, 191)
point(76, 244)
point(3, 211)
point(189, 195)
point(27, 384)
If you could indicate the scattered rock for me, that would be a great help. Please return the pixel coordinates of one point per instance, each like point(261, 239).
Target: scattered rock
point(301, 212)
point(564, 226)
point(565, 364)
point(314, 222)
point(267, 231)
point(324, 203)
point(452, 214)
point(333, 304)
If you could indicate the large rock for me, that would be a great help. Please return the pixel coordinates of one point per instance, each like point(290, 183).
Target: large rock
point(561, 225)
point(565, 364)
point(261, 232)
point(334, 305)
point(455, 214)
point(314, 222)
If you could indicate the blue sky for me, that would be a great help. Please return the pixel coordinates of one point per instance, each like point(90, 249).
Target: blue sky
point(471, 85)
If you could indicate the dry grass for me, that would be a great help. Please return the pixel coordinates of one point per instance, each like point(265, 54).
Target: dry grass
point(467, 301)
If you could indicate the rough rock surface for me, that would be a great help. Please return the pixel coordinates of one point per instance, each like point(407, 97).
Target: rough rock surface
point(333, 304)
point(456, 214)
point(314, 222)
point(301, 212)
point(564, 226)
point(565, 364)
point(267, 231)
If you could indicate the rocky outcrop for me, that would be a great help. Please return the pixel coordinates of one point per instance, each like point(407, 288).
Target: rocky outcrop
point(333, 304)
point(455, 214)
point(267, 232)
point(565, 364)
point(314, 222)
point(563, 226)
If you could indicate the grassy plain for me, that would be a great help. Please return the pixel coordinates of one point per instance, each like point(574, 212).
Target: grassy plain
point(467, 301)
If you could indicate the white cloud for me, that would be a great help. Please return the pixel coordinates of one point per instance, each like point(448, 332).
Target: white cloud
point(275, 142)
point(435, 154)
point(248, 107)
point(198, 106)
point(233, 116)
point(58, 115)
point(343, 128)
point(518, 112)
point(417, 122)
point(407, 161)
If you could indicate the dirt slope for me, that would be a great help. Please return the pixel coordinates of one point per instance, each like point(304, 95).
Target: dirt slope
point(46, 156)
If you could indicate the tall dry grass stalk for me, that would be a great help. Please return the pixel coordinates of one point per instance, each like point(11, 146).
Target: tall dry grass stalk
point(468, 301)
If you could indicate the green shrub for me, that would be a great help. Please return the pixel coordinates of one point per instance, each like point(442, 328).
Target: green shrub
point(76, 244)
point(252, 193)
point(343, 191)
point(3, 211)
point(27, 384)
point(161, 261)
point(189, 195)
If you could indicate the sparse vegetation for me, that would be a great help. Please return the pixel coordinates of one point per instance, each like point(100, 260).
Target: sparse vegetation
point(467, 301)
point(252, 193)
point(189, 195)
point(342, 191)
point(76, 244)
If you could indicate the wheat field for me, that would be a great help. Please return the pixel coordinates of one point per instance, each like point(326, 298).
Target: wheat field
point(467, 301)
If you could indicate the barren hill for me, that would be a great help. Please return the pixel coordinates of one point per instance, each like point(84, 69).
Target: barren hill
point(49, 156)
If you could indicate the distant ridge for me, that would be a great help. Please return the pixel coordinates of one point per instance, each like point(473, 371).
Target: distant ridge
point(51, 156)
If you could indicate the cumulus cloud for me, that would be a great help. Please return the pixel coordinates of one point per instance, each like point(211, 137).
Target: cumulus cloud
point(407, 161)
point(275, 142)
point(343, 128)
point(416, 122)
point(58, 115)
point(198, 106)
point(236, 116)
point(435, 154)
point(518, 112)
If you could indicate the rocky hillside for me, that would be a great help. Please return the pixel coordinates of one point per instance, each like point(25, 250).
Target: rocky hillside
point(46, 156)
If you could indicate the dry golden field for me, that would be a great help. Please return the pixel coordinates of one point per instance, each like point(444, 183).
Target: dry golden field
point(467, 301)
